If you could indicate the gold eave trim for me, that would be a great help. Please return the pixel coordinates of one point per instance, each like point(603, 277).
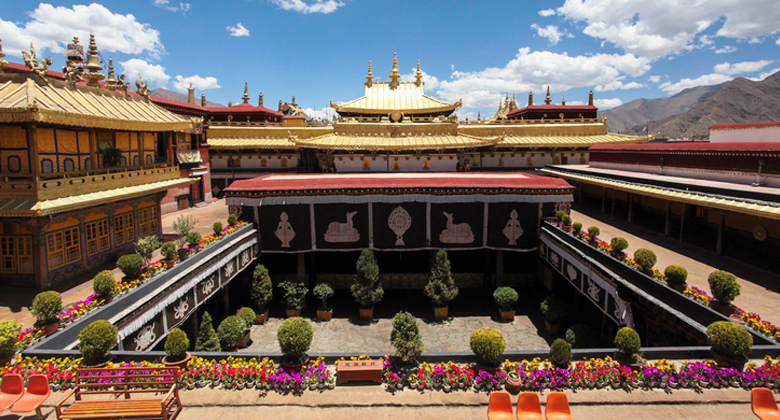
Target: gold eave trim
point(314, 143)
point(47, 116)
point(407, 111)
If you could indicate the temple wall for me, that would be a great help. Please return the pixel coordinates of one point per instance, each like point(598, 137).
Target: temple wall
point(747, 134)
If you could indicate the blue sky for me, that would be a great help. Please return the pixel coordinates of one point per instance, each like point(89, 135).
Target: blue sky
point(477, 51)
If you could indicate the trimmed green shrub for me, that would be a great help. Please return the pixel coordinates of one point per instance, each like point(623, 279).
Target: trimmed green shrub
point(262, 288)
point(582, 336)
point(618, 244)
point(231, 329)
point(645, 259)
point(405, 337)
point(176, 345)
point(560, 353)
point(295, 335)
point(104, 285)
point(323, 291)
point(9, 335)
point(217, 226)
point(146, 246)
point(182, 226)
point(248, 315)
point(559, 215)
point(232, 219)
point(576, 228)
point(95, 340)
point(724, 286)
point(131, 265)
point(505, 297)
point(207, 337)
point(593, 232)
point(566, 220)
point(729, 339)
point(441, 289)
point(293, 294)
point(489, 345)
point(169, 251)
point(676, 274)
point(46, 306)
point(554, 308)
point(627, 343)
point(194, 238)
point(366, 286)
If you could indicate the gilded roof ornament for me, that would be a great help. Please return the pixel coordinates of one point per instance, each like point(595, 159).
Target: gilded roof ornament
point(32, 63)
point(369, 76)
point(530, 98)
point(394, 74)
point(111, 80)
point(142, 88)
point(563, 102)
point(418, 75)
point(93, 64)
point(260, 101)
point(74, 64)
point(3, 63)
point(246, 93)
point(590, 98)
point(547, 99)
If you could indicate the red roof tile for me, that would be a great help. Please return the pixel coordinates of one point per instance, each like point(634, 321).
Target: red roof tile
point(745, 125)
point(700, 146)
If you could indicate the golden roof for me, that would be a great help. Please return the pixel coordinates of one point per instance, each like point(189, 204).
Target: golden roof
point(32, 208)
point(251, 143)
point(734, 204)
point(261, 137)
point(531, 135)
point(407, 97)
point(23, 100)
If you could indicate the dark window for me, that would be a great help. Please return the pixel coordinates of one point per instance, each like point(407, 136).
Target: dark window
point(47, 166)
point(14, 164)
point(69, 166)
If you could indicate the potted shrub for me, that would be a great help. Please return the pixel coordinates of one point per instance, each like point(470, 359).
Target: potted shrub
point(505, 297)
point(323, 291)
point(261, 293)
point(248, 315)
point(294, 336)
point(566, 223)
point(553, 308)
point(207, 337)
point(104, 285)
point(9, 335)
point(193, 239)
point(645, 259)
point(560, 353)
point(217, 226)
point(169, 253)
point(231, 331)
point(618, 245)
point(441, 289)
point(576, 228)
point(294, 296)
point(146, 246)
point(628, 344)
point(730, 344)
point(581, 336)
point(131, 265)
point(676, 276)
point(366, 286)
point(232, 219)
point(182, 226)
point(725, 288)
point(488, 345)
point(176, 346)
point(95, 341)
point(593, 233)
point(45, 308)
point(406, 339)
point(559, 215)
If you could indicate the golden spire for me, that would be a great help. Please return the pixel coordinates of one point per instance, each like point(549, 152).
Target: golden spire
point(191, 95)
point(418, 75)
point(111, 80)
point(563, 102)
point(93, 64)
point(3, 63)
point(369, 76)
point(246, 93)
point(506, 100)
point(590, 98)
point(260, 101)
point(530, 98)
point(514, 102)
point(202, 99)
point(547, 99)
point(394, 74)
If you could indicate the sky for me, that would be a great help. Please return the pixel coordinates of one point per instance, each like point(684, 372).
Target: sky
point(473, 51)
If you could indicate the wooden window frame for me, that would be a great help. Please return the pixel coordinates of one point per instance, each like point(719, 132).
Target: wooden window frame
point(97, 236)
point(147, 223)
point(18, 254)
point(124, 228)
point(68, 249)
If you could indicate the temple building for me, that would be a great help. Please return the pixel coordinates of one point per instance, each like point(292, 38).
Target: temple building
point(85, 169)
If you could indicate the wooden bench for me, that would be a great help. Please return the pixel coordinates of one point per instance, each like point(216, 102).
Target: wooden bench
point(359, 370)
point(123, 381)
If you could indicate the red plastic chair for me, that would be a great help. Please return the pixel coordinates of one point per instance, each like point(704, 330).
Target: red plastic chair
point(500, 406)
point(37, 392)
point(528, 406)
point(763, 403)
point(557, 407)
point(11, 390)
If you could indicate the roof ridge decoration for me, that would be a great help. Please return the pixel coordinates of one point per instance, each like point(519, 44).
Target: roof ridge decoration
point(32, 63)
point(394, 74)
point(547, 99)
point(246, 93)
point(93, 64)
point(3, 63)
point(369, 76)
point(142, 88)
point(418, 76)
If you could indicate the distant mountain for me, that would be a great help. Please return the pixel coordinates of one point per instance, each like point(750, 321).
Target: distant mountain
point(738, 101)
point(176, 96)
point(638, 112)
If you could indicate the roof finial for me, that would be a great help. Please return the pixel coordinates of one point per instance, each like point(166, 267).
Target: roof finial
point(260, 102)
point(191, 95)
point(111, 83)
point(38, 67)
point(202, 99)
point(506, 100)
point(93, 64)
point(547, 99)
point(369, 76)
point(3, 63)
point(590, 98)
point(530, 98)
point(563, 102)
point(514, 102)
point(394, 74)
point(418, 75)
point(246, 93)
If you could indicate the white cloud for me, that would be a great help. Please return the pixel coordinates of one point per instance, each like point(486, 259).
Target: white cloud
point(550, 32)
point(431, 82)
point(656, 28)
point(50, 28)
point(165, 4)
point(706, 80)
point(200, 83)
point(547, 12)
point(238, 30)
point(763, 76)
point(604, 104)
point(743, 67)
point(726, 49)
point(318, 6)
point(533, 71)
point(654, 79)
point(323, 114)
point(152, 73)
point(618, 85)
point(778, 41)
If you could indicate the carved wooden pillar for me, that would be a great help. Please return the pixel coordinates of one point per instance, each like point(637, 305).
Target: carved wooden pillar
point(614, 198)
point(301, 267)
point(721, 225)
point(668, 220)
point(139, 141)
point(40, 260)
point(81, 217)
point(499, 268)
point(682, 224)
point(136, 227)
point(32, 135)
point(630, 208)
point(94, 164)
point(604, 201)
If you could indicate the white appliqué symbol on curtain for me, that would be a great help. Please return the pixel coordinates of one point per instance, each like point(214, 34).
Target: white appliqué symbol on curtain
point(181, 308)
point(399, 222)
point(572, 272)
point(512, 231)
point(456, 233)
point(284, 230)
point(593, 290)
point(145, 337)
point(617, 313)
point(229, 269)
point(245, 257)
point(208, 286)
point(342, 232)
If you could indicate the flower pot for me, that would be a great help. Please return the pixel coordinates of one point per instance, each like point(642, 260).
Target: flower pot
point(324, 315)
point(617, 255)
point(513, 383)
point(261, 317)
point(594, 244)
point(737, 318)
point(180, 364)
point(566, 228)
point(367, 313)
point(182, 254)
point(292, 312)
point(507, 315)
point(552, 328)
point(678, 287)
point(726, 310)
point(52, 328)
point(295, 367)
point(725, 361)
point(169, 264)
point(244, 341)
point(441, 313)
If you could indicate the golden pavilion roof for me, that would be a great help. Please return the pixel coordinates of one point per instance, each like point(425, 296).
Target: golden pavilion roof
point(260, 137)
point(57, 102)
point(408, 97)
point(550, 134)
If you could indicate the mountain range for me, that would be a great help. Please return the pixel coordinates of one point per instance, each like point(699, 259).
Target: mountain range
point(176, 96)
point(692, 111)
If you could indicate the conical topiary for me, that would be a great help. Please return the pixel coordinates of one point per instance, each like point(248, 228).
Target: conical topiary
point(441, 287)
point(367, 287)
point(207, 337)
